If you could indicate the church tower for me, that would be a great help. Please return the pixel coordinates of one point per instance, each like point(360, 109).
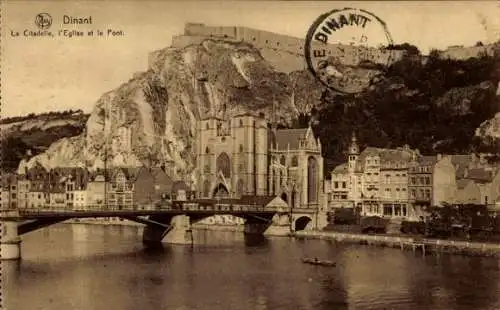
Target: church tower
point(353, 154)
point(352, 157)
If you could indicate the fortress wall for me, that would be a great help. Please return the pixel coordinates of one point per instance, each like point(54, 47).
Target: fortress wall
point(192, 29)
point(468, 52)
point(265, 39)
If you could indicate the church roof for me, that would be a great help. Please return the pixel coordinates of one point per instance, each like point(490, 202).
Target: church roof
point(290, 137)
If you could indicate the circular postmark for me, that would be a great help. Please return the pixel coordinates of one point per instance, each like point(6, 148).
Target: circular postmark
point(43, 21)
point(346, 49)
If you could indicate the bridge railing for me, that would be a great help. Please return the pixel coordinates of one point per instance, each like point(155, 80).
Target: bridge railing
point(174, 206)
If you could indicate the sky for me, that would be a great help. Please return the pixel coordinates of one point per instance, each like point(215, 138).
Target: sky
point(41, 74)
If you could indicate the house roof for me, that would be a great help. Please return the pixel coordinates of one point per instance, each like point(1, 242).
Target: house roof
point(462, 183)
point(342, 168)
point(285, 138)
point(157, 175)
point(258, 200)
point(461, 162)
point(179, 185)
point(461, 159)
point(480, 175)
point(427, 160)
point(386, 156)
point(8, 179)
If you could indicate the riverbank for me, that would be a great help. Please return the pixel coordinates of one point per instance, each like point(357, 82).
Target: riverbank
point(424, 246)
point(421, 245)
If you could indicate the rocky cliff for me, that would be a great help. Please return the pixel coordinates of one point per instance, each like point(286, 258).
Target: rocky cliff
point(151, 118)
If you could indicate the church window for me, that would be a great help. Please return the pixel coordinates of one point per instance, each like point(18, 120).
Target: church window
point(207, 150)
point(312, 180)
point(207, 126)
point(295, 161)
point(223, 164)
point(241, 123)
point(240, 187)
point(283, 160)
point(241, 148)
point(206, 188)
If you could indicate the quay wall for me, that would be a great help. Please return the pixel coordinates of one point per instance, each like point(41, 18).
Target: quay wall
point(407, 243)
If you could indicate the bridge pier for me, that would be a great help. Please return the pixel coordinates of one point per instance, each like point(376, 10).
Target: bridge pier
point(181, 232)
point(169, 229)
point(10, 242)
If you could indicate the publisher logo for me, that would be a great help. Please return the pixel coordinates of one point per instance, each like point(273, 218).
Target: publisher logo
point(43, 21)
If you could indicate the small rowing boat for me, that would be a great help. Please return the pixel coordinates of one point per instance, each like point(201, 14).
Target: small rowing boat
point(315, 261)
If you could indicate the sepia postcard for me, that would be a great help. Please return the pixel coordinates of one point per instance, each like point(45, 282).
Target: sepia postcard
point(186, 155)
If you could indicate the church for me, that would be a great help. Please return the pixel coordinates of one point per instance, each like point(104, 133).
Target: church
point(244, 156)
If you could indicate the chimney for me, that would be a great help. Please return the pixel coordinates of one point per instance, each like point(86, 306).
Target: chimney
point(439, 156)
point(466, 172)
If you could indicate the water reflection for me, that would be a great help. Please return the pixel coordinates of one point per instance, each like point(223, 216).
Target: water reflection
point(102, 268)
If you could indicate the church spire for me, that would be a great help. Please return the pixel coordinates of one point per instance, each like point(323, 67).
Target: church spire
point(353, 147)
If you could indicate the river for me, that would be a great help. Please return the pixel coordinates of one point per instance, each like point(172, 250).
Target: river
point(105, 267)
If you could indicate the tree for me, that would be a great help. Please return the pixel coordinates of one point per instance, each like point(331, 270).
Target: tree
point(13, 150)
point(409, 48)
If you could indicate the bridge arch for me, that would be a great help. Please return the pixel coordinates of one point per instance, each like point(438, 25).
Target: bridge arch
point(302, 222)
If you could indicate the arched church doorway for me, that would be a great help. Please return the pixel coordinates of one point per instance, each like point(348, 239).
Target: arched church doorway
point(220, 191)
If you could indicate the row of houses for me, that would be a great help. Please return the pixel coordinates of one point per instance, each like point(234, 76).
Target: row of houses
point(79, 188)
point(400, 183)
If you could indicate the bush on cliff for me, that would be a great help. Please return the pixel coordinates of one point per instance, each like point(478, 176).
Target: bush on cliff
point(434, 106)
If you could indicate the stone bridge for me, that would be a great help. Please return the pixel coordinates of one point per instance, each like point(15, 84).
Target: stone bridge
point(170, 222)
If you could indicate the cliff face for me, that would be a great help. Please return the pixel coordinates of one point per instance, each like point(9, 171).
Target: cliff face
point(152, 118)
point(22, 137)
